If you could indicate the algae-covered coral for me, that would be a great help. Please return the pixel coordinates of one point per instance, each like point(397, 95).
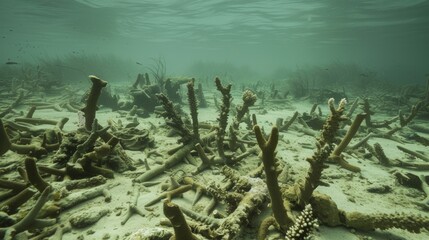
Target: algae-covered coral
point(239, 173)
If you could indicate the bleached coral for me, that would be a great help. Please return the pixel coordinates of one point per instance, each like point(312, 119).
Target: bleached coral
point(155, 233)
point(304, 225)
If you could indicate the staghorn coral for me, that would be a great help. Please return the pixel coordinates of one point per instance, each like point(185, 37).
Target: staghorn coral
point(249, 98)
point(169, 194)
point(206, 162)
point(174, 119)
point(87, 160)
point(193, 108)
point(173, 160)
point(304, 189)
point(304, 225)
point(231, 226)
point(285, 127)
point(414, 110)
point(336, 154)
point(33, 175)
point(30, 220)
point(268, 148)
point(223, 116)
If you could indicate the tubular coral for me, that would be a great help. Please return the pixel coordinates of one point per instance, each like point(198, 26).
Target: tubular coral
point(383, 221)
point(91, 103)
point(5, 143)
point(336, 154)
point(33, 175)
point(181, 229)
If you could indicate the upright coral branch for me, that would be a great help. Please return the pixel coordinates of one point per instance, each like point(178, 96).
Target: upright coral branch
point(249, 99)
point(175, 120)
point(193, 108)
point(268, 148)
point(33, 175)
point(5, 143)
point(305, 224)
point(414, 110)
point(200, 94)
point(91, 103)
point(223, 116)
point(304, 190)
point(336, 154)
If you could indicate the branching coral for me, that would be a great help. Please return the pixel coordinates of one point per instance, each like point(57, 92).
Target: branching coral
point(193, 108)
point(231, 226)
point(174, 119)
point(249, 98)
point(268, 148)
point(223, 116)
point(33, 175)
point(30, 220)
point(414, 110)
point(304, 225)
point(35, 150)
point(336, 154)
point(304, 190)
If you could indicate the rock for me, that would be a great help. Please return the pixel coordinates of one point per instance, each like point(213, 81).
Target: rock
point(381, 189)
point(87, 218)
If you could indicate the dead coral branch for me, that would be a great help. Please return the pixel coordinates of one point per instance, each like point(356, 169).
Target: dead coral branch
point(91, 102)
point(181, 229)
point(304, 190)
point(223, 116)
point(268, 148)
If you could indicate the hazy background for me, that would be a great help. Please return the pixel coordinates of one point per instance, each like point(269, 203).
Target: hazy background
point(389, 36)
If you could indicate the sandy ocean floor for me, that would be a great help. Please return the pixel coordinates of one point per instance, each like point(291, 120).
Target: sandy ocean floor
point(349, 190)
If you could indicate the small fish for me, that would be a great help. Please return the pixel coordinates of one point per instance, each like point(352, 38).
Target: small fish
point(139, 63)
point(11, 63)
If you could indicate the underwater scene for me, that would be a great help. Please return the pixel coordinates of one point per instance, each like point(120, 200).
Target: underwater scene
point(216, 119)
